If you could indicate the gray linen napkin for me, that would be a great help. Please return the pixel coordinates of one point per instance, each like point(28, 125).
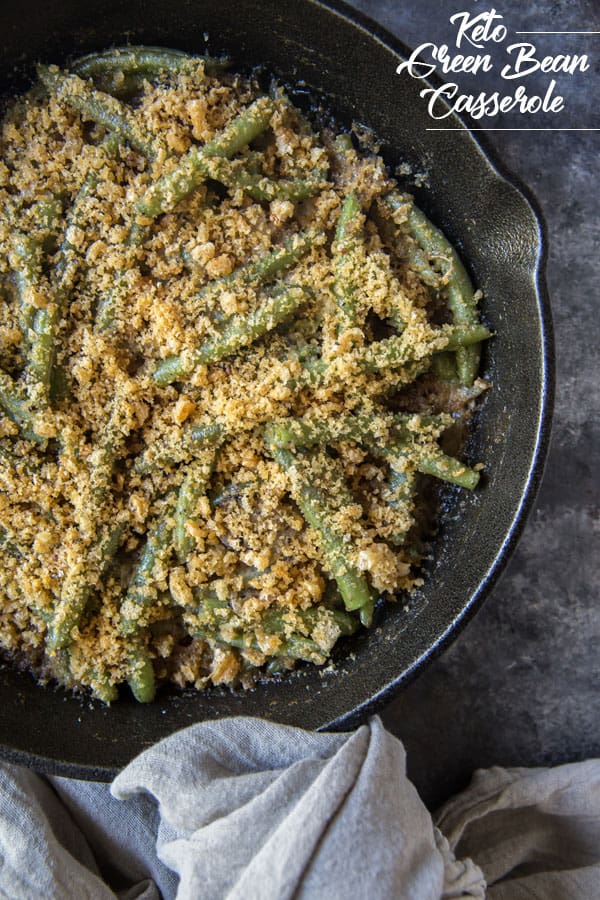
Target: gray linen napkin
point(246, 808)
point(534, 832)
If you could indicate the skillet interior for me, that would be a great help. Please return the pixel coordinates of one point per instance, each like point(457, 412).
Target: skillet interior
point(353, 63)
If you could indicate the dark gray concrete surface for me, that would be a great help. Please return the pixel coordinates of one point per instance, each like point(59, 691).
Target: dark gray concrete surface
point(521, 685)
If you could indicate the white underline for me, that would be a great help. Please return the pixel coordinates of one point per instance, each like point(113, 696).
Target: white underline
point(512, 129)
point(557, 32)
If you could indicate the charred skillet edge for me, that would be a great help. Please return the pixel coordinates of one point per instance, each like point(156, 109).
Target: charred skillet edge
point(44, 765)
point(525, 195)
point(54, 765)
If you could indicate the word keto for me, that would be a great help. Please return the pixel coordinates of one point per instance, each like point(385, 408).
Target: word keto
point(477, 31)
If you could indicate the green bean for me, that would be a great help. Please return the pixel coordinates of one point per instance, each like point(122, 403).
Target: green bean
point(8, 457)
point(17, 408)
point(402, 349)
point(401, 487)
point(237, 332)
point(103, 688)
point(211, 607)
point(43, 345)
point(100, 108)
point(294, 646)
point(349, 223)
point(296, 190)
point(262, 270)
point(28, 249)
point(233, 491)
point(389, 353)
point(460, 336)
point(191, 170)
point(395, 351)
point(59, 384)
point(207, 434)
point(316, 508)
point(430, 460)
point(238, 133)
point(206, 601)
point(111, 304)
point(461, 298)
point(122, 85)
point(348, 241)
point(415, 256)
point(60, 665)
point(290, 432)
point(193, 487)
point(141, 672)
point(11, 545)
point(79, 585)
point(47, 212)
point(122, 68)
point(195, 437)
point(110, 307)
point(262, 188)
point(113, 436)
point(274, 621)
point(43, 348)
point(208, 609)
point(298, 647)
point(419, 261)
point(142, 592)
point(438, 464)
point(444, 366)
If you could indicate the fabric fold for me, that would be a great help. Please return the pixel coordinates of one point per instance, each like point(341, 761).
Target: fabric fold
point(288, 813)
point(533, 832)
point(244, 808)
point(42, 852)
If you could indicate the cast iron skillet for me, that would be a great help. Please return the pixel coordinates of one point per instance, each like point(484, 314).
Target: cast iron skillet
point(353, 63)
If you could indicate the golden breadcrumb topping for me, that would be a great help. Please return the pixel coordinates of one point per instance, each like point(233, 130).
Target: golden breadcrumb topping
point(148, 520)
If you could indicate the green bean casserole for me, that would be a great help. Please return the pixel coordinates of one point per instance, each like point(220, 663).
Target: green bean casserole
point(230, 346)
